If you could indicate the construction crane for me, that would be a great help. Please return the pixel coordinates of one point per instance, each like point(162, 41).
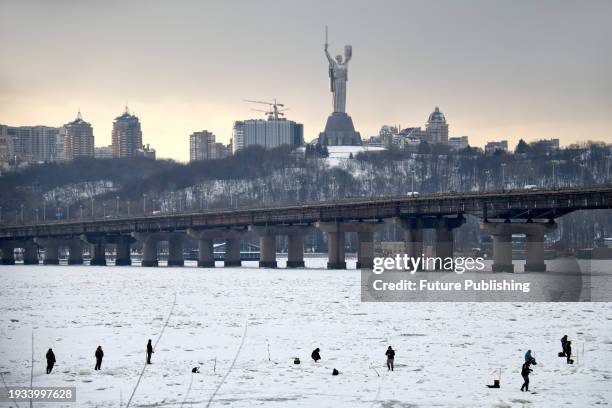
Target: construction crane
point(273, 112)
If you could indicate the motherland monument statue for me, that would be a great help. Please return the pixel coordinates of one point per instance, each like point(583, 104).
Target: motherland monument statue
point(339, 129)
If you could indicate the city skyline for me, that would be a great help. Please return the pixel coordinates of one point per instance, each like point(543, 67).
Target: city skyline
point(497, 71)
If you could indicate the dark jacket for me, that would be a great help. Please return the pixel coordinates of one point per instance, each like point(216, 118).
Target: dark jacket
point(50, 356)
point(315, 355)
point(99, 353)
point(149, 347)
point(390, 354)
point(563, 342)
point(568, 349)
point(525, 370)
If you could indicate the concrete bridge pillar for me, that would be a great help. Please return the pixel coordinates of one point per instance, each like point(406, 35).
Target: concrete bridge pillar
point(149, 252)
point(175, 249)
point(123, 251)
point(97, 251)
point(51, 253)
point(149, 247)
point(267, 250)
point(30, 253)
point(206, 254)
point(335, 250)
point(295, 250)
point(8, 253)
point(232, 251)
point(444, 235)
point(335, 244)
point(502, 245)
point(267, 245)
point(75, 252)
point(365, 236)
point(206, 239)
point(534, 249)
point(365, 253)
point(413, 235)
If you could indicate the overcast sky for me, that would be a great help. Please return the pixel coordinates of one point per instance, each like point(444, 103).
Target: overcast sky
point(498, 70)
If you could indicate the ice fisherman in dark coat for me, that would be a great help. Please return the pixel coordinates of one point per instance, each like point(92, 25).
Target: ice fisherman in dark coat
point(99, 355)
point(50, 360)
point(315, 355)
point(390, 356)
point(149, 351)
point(525, 374)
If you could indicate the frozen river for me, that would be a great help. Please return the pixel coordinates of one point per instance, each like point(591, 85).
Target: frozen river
point(446, 352)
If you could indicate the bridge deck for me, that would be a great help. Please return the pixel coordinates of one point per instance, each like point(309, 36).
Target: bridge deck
point(520, 204)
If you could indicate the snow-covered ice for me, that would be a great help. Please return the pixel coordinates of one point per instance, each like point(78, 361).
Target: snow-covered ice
point(446, 352)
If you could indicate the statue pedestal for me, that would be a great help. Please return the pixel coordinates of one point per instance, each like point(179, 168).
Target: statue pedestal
point(339, 131)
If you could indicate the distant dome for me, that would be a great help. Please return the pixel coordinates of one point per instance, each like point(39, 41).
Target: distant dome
point(436, 116)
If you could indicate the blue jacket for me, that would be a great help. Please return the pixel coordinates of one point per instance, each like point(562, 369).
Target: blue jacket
point(528, 357)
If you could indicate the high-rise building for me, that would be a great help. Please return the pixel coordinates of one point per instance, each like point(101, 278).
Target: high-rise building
point(31, 144)
point(267, 133)
point(78, 139)
point(201, 145)
point(127, 136)
point(436, 127)
point(7, 146)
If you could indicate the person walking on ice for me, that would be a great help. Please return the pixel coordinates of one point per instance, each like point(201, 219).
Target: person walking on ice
point(99, 354)
point(525, 374)
point(149, 351)
point(390, 356)
point(50, 360)
point(315, 355)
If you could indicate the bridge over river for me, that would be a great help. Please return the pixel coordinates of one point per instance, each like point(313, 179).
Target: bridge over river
point(502, 213)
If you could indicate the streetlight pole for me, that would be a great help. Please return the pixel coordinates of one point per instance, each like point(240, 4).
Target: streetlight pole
point(128, 208)
point(144, 204)
point(92, 208)
point(22, 213)
point(117, 207)
point(68, 211)
point(503, 166)
point(44, 211)
point(104, 210)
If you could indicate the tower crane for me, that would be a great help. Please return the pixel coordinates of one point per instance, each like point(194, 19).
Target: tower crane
point(273, 112)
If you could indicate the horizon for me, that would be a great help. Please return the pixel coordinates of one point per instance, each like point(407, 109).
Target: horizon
point(497, 71)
